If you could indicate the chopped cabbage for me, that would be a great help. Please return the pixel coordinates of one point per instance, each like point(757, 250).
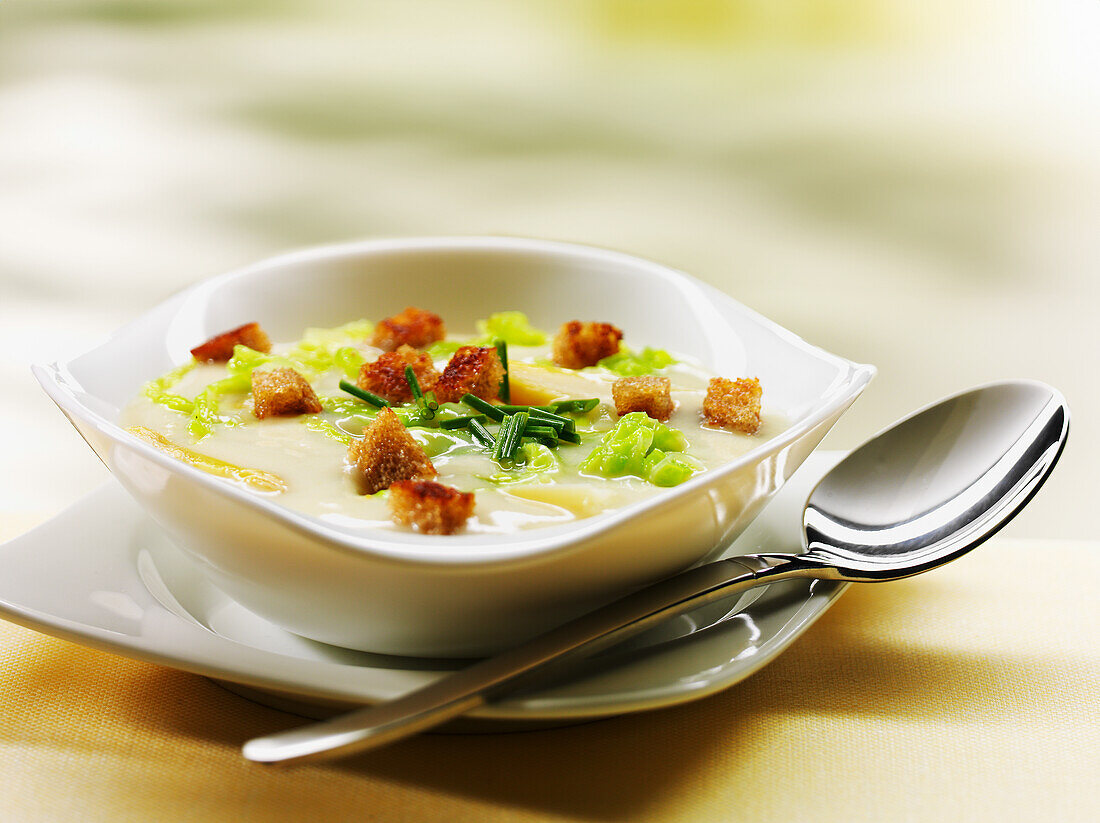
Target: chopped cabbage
point(632, 364)
point(639, 446)
point(512, 327)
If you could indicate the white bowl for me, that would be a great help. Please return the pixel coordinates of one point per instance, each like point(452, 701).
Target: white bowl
point(410, 594)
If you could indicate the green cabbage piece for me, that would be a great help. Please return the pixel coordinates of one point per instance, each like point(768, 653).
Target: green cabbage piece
point(158, 390)
point(318, 351)
point(350, 360)
point(632, 364)
point(244, 360)
point(639, 446)
point(512, 327)
point(357, 331)
point(668, 469)
point(444, 349)
point(322, 349)
point(206, 412)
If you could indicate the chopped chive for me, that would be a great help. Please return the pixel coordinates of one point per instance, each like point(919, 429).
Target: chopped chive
point(541, 433)
point(481, 434)
point(505, 387)
point(569, 437)
point(549, 424)
point(533, 427)
point(513, 409)
point(460, 422)
point(576, 406)
point(515, 434)
point(548, 415)
point(555, 420)
point(549, 442)
point(414, 384)
point(502, 438)
point(432, 401)
point(363, 394)
point(488, 409)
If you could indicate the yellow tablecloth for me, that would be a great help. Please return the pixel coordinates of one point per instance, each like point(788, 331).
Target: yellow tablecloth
point(967, 694)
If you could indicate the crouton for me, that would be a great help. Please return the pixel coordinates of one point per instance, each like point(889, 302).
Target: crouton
point(474, 370)
point(282, 392)
point(387, 453)
point(644, 394)
point(578, 344)
point(733, 404)
point(430, 507)
point(219, 349)
point(386, 375)
point(412, 327)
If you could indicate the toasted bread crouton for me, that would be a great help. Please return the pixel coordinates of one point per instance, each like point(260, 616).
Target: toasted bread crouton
point(733, 404)
point(282, 392)
point(387, 453)
point(578, 344)
point(474, 370)
point(386, 375)
point(219, 349)
point(412, 327)
point(430, 507)
point(644, 394)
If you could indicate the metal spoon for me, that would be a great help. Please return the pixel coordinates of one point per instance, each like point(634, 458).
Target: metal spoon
point(916, 496)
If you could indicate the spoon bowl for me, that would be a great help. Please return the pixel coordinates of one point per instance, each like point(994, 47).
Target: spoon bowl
point(917, 495)
point(936, 484)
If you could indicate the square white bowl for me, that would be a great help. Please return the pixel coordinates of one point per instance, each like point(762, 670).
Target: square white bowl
point(464, 595)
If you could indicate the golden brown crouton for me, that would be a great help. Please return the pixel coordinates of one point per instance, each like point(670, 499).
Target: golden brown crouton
point(282, 391)
point(578, 344)
point(386, 375)
point(430, 507)
point(412, 327)
point(644, 394)
point(387, 453)
point(473, 369)
point(219, 348)
point(733, 404)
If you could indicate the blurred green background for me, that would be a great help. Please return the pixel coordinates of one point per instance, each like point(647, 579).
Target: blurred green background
point(911, 184)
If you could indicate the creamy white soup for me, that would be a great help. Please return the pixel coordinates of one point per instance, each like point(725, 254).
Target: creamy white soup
point(205, 413)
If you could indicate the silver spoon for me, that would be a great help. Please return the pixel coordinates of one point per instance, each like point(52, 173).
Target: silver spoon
point(916, 496)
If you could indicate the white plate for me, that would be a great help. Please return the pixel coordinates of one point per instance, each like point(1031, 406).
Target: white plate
point(102, 574)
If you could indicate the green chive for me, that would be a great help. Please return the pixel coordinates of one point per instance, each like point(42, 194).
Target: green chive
point(432, 401)
point(548, 415)
point(363, 394)
point(481, 434)
point(488, 409)
point(515, 434)
point(576, 406)
point(569, 437)
point(540, 431)
point(505, 387)
point(460, 422)
point(414, 384)
point(502, 438)
point(549, 442)
point(504, 407)
point(555, 420)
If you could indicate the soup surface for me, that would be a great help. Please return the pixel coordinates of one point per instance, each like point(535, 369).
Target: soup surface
point(205, 414)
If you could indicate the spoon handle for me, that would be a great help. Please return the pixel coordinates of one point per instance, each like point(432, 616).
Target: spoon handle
point(519, 667)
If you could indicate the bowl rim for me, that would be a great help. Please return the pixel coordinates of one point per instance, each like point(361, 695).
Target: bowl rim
point(451, 550)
